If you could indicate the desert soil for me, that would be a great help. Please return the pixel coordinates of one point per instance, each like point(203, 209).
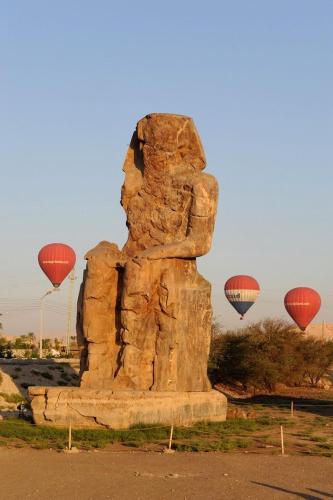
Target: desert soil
point(50, 475)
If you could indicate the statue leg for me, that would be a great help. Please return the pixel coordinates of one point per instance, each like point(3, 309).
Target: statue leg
point(184, 326)
point(139, 327)
point(99, 316)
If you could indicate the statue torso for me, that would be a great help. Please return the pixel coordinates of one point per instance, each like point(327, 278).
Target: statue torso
point(158, 214)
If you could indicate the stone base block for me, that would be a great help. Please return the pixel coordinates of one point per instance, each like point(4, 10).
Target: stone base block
point(90, 408)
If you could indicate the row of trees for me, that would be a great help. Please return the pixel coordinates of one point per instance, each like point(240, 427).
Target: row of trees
point(27, 341)
point(29, 345)
point(267, 353)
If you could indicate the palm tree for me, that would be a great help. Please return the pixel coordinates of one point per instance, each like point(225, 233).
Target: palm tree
point(31, 338)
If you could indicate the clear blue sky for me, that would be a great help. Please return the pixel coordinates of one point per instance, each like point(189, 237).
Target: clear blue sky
point(256, 76)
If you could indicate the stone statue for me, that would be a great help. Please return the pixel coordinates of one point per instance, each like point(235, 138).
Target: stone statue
point(144, 312)
point(144, 315)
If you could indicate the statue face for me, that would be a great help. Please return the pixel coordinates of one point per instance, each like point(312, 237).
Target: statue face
point(170, 141)
point(158, 161)
point(161, 131)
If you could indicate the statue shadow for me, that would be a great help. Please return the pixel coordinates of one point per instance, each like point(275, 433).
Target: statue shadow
point(298, 494)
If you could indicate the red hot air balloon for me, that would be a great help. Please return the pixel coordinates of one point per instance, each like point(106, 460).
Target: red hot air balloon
point(302, 305)
point(56, 261)
point(242, 292)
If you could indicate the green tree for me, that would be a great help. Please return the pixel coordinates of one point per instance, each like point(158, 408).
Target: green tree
point(31, 338)
point(318, 357)
point(5, 349)
point(46, 344)
point(57, 344)
point(268, 352)
point(20, 343)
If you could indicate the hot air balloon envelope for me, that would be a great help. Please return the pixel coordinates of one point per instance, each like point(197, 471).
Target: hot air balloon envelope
point(56, 261)
point(242, 292)
point(302, 304)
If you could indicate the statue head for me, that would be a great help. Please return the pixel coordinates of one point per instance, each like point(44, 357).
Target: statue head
point(172, 138)
point(162, 145)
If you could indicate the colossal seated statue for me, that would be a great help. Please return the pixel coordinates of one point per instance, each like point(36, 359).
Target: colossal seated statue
point(144, 313)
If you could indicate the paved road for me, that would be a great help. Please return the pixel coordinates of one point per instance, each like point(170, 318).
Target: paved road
point(50, 475)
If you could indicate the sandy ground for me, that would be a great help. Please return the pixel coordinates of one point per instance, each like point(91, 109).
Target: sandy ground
point(50, 475)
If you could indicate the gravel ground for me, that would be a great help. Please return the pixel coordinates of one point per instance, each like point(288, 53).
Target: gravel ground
point(34, 474)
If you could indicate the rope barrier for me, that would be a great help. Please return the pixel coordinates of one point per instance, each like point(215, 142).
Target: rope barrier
point(282, 405)
point(180, 441)
point(271, 405)
point(32, 424)
point(190, 430)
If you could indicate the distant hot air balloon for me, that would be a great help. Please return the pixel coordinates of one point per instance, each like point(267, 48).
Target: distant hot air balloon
point(302, 305)
point(56, 260)
point(242, 292)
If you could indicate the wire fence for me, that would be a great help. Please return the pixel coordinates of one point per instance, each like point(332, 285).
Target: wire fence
point(282, 405)
point(180, 437)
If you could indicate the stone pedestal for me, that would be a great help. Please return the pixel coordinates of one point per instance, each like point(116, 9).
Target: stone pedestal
point(91, 408)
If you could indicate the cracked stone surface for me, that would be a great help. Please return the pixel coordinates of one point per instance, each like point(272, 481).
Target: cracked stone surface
point(144, 312)
point(105, 408)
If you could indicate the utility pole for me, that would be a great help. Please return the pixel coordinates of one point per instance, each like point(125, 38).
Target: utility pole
point(323, 330)
point(41, 320)
point(70, 310)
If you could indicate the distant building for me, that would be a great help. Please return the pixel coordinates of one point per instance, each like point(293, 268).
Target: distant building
point(19, 353)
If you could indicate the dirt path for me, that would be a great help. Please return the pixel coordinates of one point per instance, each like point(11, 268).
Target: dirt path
point(50, 475)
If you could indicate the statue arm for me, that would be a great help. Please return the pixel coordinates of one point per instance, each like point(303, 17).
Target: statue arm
point(200, 228)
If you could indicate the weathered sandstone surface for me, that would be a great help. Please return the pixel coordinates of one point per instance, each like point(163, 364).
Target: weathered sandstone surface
point(144, 312)
point(90, 408)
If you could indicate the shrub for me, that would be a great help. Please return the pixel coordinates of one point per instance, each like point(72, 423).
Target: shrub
point(12, 398)
point(31, 353)
point(266, 353)
point(6, 350)
point(318, 356)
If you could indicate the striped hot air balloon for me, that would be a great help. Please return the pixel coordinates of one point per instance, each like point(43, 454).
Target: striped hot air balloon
point(56, 261)
point(302, 304)
point(242, 292)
